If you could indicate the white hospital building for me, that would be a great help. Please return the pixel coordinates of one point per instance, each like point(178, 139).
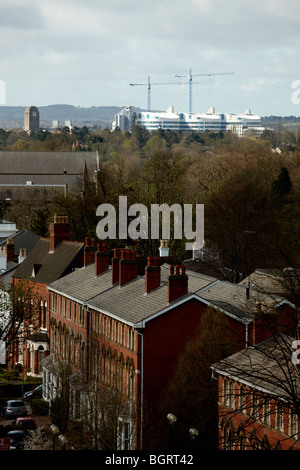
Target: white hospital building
point(212, 121)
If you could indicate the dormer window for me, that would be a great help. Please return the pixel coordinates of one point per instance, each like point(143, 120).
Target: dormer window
point(35, 270)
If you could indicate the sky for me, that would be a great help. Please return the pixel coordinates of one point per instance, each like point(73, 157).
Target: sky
point(86, 53)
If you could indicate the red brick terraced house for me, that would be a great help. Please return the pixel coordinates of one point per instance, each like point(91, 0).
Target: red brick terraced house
point(258, 396)
point(106, 319)
point(50, 259)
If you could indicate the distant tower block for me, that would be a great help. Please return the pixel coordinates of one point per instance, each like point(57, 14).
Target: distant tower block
point(31, 119)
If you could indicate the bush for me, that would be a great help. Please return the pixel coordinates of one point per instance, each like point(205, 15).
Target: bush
point(39, 407)
point(9, 375)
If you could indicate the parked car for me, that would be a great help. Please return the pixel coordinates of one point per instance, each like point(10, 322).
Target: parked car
point(26, 423)
point(14, 408)
point(35, 393)
point(17, 439)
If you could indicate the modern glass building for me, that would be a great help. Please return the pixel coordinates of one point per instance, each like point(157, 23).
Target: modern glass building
point(152, 121)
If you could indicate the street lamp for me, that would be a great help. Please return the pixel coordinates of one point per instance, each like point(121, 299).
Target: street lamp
point(54, 430)
point(171, 418)
point(63, 440)
point(194, 433)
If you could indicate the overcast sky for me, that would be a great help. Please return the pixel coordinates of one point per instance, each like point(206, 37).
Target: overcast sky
point(86, 53)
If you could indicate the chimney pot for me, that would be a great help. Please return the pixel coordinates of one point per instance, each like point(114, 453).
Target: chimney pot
point(128, 267)
point(89, 251)
point(60, 230)
point(152, 275)
point(115, 265)
point(101, 260)
point(149, 260)
point(177, 283)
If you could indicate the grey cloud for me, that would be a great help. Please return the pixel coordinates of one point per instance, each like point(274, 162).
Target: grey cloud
point(20, 17)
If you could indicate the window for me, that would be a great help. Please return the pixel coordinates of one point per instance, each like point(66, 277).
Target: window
point(110, 329)
point(123, 335)
point(124, 435)
point(293, 423)
point(231, 395)
point(279, 417)
point(243, 401)
point(266, 411)
point(255, 406)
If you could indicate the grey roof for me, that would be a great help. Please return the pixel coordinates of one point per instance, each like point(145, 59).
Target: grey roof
point(82, 283)
point(233, 299)
point(23, 239)
point(275, 281)
point(46, 168)
point(129, 302)
point(268, 367)
point(48, 266)
point(6, 276)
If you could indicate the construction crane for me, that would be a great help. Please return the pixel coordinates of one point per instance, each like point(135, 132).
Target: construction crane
point(149, 84)
point(190, 77)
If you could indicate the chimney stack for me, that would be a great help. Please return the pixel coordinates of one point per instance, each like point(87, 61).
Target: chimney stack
point(101, 258)
point(177, 283)
point(3, 258)
point(128, 267)
point(10, 250)
point(164, 248)
point(22, 255)
point(152, 275)
point(89, 251)
point(60, 230)
point(115, 265)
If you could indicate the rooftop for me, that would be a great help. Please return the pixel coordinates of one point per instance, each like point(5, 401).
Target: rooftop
point(267, 367)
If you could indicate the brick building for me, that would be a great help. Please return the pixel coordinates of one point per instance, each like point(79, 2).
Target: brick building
point(106, 319)
point(258, 396)
point(50, 259)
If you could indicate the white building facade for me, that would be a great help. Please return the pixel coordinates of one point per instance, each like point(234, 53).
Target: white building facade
point(239, 124)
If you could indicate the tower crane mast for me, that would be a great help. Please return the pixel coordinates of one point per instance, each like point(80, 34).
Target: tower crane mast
point(149, 84)
point(190, 77)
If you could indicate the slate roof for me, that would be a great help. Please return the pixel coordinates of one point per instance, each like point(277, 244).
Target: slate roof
point(232, 298)
point(284, 282)
point(48, 266)
point(267, 367)
point(82, 283)
point(22, 239)
point(130, 303)
point(18, 167)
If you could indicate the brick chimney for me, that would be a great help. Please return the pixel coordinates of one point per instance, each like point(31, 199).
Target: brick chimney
point(60, 230)
point(10, 250)
point(177, 283)
point(101, 258)
point(128, 267)
point(152, 275)
point(90, 249)
point(115, 265)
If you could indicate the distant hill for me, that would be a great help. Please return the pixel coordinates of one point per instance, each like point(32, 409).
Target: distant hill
point(288, 122)
point(13, 116)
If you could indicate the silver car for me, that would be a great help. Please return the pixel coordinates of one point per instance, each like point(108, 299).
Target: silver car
point(14, 408)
